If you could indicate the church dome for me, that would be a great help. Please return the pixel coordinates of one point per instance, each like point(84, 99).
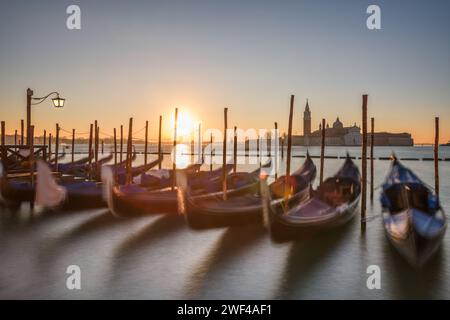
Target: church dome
point(338, 124)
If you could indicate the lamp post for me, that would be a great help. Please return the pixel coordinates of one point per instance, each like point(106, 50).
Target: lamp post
point(57, 103)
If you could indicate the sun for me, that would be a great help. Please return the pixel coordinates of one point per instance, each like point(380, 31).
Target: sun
point(185, 125)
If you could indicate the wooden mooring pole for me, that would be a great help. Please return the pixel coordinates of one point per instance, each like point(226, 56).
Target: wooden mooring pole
point(436, 156)
point(121, 143)
point(15, 140)
point(4, 154)
point(44, 152)
point(259, 150)
point(56, 147)
point(95, 142)
point(115, 147)
point(287, 185)
point(211, 153)
point(30, 136)
point(235, 149)
point(364, 163)
point(174, 150)
point(224, 154)
point(160, 155)
point(31, 157)
point(73, 145)
point(21, 132)
point(276, 151)
point(49, 156)
point(372, 139)
point(146, 142)
point(200, 155)
point(129, 151)
point(97, 165)
point(322, 151)
point(91, 128)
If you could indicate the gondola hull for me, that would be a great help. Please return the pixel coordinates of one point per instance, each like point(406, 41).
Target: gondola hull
point(283, 228)
point(413, 219)
point(82, 197)
point(250, 212)
point(332, 205)
point(128, 203)
point(412, 244)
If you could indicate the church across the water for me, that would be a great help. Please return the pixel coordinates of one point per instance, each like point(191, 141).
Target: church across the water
point(338, 135)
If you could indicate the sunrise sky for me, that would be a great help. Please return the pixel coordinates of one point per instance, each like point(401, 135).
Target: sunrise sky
point(144, 58)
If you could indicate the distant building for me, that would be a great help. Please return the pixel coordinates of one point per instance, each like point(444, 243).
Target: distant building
point(307, 120)
point(338, 135)
point(392, 139)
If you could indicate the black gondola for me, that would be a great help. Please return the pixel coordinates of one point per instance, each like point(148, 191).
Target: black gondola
point(413, 219)
point(331, 205)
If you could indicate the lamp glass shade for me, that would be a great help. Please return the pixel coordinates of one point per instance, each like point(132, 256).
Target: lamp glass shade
point(58, 102)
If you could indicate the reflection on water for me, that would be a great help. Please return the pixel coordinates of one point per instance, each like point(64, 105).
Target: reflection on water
point(158, 257)
point(233, 244)
point(305, 256)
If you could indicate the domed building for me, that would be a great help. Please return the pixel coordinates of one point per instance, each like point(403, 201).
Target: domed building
point(336, 135)
point(339, 135)
point(338, 124)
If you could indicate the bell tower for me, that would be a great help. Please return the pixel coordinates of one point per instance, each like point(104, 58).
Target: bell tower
point(307, 120)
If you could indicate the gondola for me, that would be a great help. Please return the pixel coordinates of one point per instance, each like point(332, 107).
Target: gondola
point(413, 219)
point(135, 200)
point(331, 205)
point(91, 194)
point(247, 208)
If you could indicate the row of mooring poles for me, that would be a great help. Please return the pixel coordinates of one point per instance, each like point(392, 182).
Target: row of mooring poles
point(94, 145)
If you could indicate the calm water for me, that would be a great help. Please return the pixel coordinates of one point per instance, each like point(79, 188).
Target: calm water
point(158, 257)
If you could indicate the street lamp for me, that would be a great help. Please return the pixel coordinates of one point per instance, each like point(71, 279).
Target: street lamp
point(57, 103)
